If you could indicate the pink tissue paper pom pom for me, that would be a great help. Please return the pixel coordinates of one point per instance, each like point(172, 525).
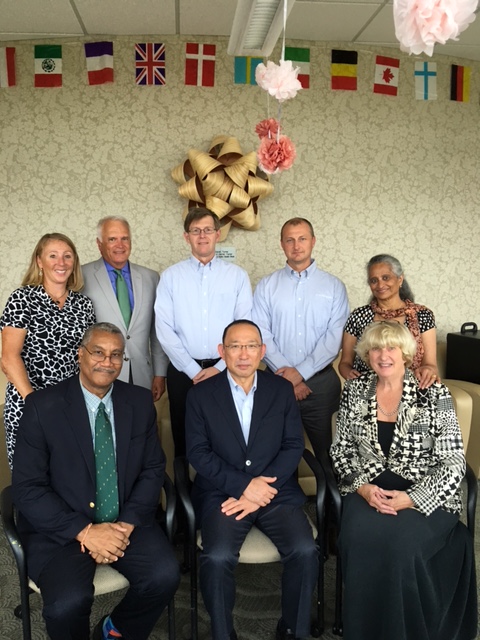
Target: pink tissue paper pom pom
point(280, 80)
point(419, 24)
point(267, 128)
point(274, 156)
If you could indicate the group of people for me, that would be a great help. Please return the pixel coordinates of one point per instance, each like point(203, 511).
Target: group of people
point(82, 334)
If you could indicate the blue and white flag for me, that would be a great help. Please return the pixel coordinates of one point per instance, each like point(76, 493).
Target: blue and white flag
point(425, 81)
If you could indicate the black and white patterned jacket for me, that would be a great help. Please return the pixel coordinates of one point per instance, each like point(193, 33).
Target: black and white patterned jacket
point(426, 449)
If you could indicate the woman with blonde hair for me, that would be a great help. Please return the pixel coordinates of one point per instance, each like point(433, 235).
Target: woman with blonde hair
point(42, 326)
point(407, 560)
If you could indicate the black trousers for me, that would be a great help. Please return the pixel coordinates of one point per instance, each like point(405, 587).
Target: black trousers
point(318, 408)
point(222, 537)
point(66, 584)
point(178, 385)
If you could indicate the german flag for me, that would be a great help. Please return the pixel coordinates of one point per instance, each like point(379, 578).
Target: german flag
point(460, 83)
point(344, 70)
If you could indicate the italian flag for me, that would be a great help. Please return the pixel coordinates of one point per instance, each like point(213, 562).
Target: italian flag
point(48, 65)
point(300, 57)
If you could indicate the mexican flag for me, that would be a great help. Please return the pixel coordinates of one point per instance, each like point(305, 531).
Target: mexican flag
point(48, 65)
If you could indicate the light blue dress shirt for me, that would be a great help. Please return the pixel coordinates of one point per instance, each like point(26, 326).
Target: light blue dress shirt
point(301, 316)
point(243, 403)
point(92, 401)
point(126, 276)
point(195, 302)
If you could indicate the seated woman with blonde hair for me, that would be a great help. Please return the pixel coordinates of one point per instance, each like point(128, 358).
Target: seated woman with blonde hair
point(407, 560)
point(392, 299)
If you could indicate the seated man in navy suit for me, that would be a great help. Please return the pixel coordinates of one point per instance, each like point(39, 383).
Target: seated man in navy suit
point(245, 440)
point(87, 480)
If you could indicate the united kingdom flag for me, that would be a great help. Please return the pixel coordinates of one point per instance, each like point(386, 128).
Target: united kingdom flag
point(149, 63)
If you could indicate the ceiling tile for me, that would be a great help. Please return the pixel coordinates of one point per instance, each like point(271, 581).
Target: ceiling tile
point(128, 17)
point(207, 17)
point(381, 28)
point(328, 21)
point(29, 18)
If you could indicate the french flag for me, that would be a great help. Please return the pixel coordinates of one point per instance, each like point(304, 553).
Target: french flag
point(99, 57)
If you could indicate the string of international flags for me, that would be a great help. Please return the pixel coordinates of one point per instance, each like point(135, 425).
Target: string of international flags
point(200, 69)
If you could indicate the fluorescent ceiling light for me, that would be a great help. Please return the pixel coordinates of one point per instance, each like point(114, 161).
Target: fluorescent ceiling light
point(257, 26)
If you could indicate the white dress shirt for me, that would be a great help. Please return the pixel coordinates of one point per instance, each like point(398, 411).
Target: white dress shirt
point(195, 302)
point(301, 316)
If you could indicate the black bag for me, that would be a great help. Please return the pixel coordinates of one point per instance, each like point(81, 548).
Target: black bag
point(463, 354)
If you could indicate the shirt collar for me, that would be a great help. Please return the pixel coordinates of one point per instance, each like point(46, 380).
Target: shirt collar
point(234, 385)
point(111, 269)
point(196, 264)
point(92, 401)
point(303, 274)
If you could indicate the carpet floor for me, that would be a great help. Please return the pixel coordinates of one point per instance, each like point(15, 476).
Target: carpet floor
point(256, 611)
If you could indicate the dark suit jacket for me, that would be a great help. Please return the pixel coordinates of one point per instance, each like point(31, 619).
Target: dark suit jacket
point(144, 355)
point(216, 448)
point(54, 466)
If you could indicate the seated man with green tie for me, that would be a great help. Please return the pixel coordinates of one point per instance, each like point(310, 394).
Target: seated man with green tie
point(88, 473)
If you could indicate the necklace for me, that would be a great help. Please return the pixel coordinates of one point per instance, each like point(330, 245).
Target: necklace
point(389, 414)
point(56, 300)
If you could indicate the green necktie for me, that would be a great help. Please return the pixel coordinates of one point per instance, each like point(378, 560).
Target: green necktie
point(123, 297)
point(106, 504)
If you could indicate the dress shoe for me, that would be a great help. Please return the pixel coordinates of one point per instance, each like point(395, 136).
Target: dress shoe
point(284, 633)
point(98, 630)
point(233, 635)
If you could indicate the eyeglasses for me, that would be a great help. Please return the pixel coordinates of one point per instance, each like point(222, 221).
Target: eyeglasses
point(99, 356)
point(207, 231)
point(237, 348)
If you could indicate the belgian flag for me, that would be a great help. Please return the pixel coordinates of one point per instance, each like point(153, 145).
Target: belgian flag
point(344, 70)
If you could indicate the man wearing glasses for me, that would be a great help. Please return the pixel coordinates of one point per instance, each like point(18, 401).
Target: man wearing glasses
point(245, 441)
point(87, 479)
point(196, 299)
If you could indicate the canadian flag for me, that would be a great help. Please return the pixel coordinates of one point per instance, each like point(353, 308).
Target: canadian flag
point(200, 64)
point(387, 71)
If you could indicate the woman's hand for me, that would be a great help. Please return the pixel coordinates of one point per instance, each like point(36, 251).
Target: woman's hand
point(383, 500)
point(426, 376)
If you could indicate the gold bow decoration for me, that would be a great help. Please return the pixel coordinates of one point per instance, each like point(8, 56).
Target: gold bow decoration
point(226, 182)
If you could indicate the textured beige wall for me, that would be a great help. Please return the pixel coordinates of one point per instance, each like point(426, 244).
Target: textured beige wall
point(373, 173)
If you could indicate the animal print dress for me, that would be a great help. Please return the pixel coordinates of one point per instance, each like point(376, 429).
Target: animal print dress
point(50, 349)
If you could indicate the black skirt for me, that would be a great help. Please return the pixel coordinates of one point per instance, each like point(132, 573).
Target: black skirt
point(407, 577)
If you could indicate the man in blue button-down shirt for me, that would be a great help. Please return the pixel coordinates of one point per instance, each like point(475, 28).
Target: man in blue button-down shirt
point(196, 299)
point(301, 311)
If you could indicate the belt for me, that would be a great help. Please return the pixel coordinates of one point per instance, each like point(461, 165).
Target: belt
point(207, 363)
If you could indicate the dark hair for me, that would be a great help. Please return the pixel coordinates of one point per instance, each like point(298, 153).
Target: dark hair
point(405, 292)
point(294, 222)
point(197, 213)
point(241, 321)
point(105, 327)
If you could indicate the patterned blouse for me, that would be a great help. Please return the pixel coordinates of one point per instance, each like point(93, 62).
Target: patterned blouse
point(427, 447)
point(361, 317)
